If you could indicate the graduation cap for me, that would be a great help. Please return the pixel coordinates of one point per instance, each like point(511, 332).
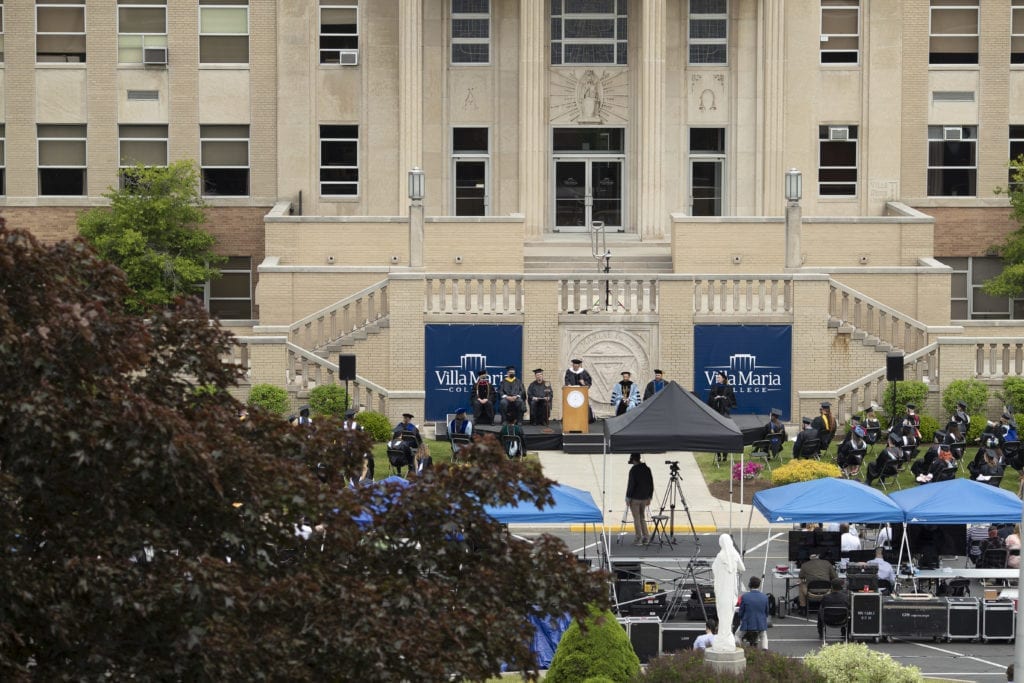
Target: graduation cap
point(510, 367)
point(894, 438)
point(871, 408)
point(625, 372)
point(806, 420)
point(1007, 416)
point(576, 361)
point(944, 447)
point(658, 372)
point(855, 418)
point(538, 370)
point(775, 412)
point(483, 373)
point(940, 434)
point(962, 404)
point(351, 412)
point(408, 415)
point(459, 411)
point(911, 406)
point(826, 404)
point(304, 411)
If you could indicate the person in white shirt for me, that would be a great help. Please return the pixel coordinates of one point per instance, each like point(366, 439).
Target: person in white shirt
point(850, 540)
point(884, 538)
point(703, 642)
point(885, 570)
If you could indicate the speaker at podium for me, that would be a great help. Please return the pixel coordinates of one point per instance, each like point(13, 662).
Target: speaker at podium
point(575, 409)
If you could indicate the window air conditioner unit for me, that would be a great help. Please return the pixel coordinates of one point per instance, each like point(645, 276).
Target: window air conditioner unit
point(348, 58)
point(952, 133)
point(838, 133)
point(154, 55)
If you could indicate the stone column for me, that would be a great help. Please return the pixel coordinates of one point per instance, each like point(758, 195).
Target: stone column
point(650, 123)
point(533, 117)
point(772, 80)
point(410, 94)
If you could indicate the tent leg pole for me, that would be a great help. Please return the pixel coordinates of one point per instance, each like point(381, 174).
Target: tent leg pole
point(742, 478)
point(731, 457)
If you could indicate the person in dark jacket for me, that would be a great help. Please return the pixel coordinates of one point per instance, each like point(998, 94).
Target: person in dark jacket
point(754, 613)
point(839, 597)
point(639, 491)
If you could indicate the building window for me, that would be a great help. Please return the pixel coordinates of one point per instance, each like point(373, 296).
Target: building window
point(60, 31)
point(952, 161)
point(470, 169)
point(588, 31)
point(707, 171)
point(709, 32)
point(967, 299)
point(3, 159)
point(145, 144)
point(1016, 151)
point(229, 297)
point(339, 161)
point(224, 152)
point(837, 161)
point(840, 31)
point(471, 31)
point(223, 32)
point(339, 33)
point(1, 32)
point(954, 32)
point(1017, 32)
point(62, 155)
point(140, 25)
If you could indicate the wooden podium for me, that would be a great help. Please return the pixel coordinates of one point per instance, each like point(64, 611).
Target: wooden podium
point(575, 409)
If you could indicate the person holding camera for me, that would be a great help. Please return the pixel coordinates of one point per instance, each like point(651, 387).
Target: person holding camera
point(639, 491)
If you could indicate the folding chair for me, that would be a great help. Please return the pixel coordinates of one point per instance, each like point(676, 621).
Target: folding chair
point(811, 449)
point(835, 616)
point(458, 441)
point(994, 558)
point(514, 446)
point(761, 450)
point(816, 590)
point(857, 454)
point(397, 459)
point(891, 472)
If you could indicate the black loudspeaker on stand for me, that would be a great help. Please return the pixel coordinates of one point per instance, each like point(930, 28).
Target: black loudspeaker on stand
point(894, 374)
point(347, 372)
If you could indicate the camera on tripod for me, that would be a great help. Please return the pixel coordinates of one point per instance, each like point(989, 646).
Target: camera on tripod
point(673, 466)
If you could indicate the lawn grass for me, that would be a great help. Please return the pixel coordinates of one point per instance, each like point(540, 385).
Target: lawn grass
point(440, 452)
point(712, 473)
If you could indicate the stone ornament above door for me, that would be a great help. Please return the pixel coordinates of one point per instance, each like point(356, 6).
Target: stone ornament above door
point(606, 353)
point(707, 100)
point(589, 96)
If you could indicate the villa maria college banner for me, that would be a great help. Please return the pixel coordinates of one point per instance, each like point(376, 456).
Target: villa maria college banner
point(454, 356)
point(757, 359)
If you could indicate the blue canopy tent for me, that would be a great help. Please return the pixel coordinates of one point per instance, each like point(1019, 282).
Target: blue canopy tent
point(571, 505)
point(958, 501)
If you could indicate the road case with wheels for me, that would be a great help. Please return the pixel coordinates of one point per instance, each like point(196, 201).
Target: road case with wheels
point(917, 619)
point(964, 618)
point(866, 616)
point(997, 620)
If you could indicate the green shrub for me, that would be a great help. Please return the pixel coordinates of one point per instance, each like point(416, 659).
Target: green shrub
point(1013, 393)
point(803, 470)
point(602, 650)
point(909, 391)
point(856, 663)
point(976, 427)
point(269, 397)
point(328, 399)
point(599, 679)
point(973, 392)
point(376, 424)
point(763, 666)
point(928, 426)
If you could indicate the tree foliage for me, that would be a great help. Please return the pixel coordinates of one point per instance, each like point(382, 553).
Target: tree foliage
point(600, 648)
point(147, 533)
point(152, 231)
point(1010, 282)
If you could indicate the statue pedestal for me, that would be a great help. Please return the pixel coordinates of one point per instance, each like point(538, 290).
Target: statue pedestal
point(734, 662)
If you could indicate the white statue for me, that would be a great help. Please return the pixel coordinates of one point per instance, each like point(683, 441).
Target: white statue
point(726, 569)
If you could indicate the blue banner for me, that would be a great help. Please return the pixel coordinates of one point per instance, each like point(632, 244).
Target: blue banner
point(758, 360)
point(454, 354)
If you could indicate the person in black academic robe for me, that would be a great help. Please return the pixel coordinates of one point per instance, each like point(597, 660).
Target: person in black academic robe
point(576, 376)
point(538, 396)
point(513, 396)
point(482, 399)
point(721, 396)
point(774, 432)
point(655, 385)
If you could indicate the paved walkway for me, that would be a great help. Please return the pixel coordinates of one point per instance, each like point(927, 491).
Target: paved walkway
point(709, 513)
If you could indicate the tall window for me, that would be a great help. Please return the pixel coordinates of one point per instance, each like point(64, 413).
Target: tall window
point(229, 297)
point(1, 32)
point(60, 30)
point(953, 37)
point(471, 31)
point(140, 24)
point(588, 31)
point(952, 161)
point(3, 158)
point(339, 33)
point(709, 32)
point(471, 162)
point(840, 31)
point(1017, 32)
point(339, 161)
point(1016, 151)
point(837, 161)
point(224, 152)
point(62, 159)
point(141, 144)
point(968, 301)
point(223, 32)
point(707, 171)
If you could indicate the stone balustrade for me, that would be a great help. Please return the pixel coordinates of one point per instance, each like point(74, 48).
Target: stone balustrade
point(750, 295)
point(874, 321)
point(476, 294)
point(350, 315)
point(608, 294)
point(999, 358)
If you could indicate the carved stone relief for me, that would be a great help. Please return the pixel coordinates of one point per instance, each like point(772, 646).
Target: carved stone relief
point(607, 351)
point(707, 97)
point(589, 96)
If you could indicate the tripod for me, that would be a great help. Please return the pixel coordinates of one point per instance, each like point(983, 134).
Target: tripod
point(674, 494)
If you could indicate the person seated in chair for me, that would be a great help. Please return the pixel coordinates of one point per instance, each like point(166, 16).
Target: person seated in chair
point(825, 423)
point(424, 463)
point(885, 570)
point(509, 430)
point(991, 468)
point(909, 418)
point(851, 452)
point(960, 417)
point(837, 597)
point(408, 430)
point(872, 425)
point(460, 425)
point(921, 466)
point(483, 399)
point(513, 396)
point(993, 542)
point(803, 437)
point(943, 468)
point(753, 614)
point(909, 441)
point(989, 438)
point(774, 433)
point(887, 461)
point(538, 396)
point(814, 569)
point(1007, 427)
point(625, 394)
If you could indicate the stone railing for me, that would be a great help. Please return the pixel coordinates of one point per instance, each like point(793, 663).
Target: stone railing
point(999, 358)
point(479, 294)
point(922, 365)
point(746, 295)
point(348, 316)
point(874, 322)
point(608, 294)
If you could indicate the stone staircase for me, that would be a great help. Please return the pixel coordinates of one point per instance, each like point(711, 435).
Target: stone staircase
point(352, 339)
point(863, 336)
point(571, 253)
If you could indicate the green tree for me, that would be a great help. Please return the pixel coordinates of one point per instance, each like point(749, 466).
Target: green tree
point(973, 392)
point(147, 533)
point(602, 648)
point(1010, 282)
point(152, 231)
